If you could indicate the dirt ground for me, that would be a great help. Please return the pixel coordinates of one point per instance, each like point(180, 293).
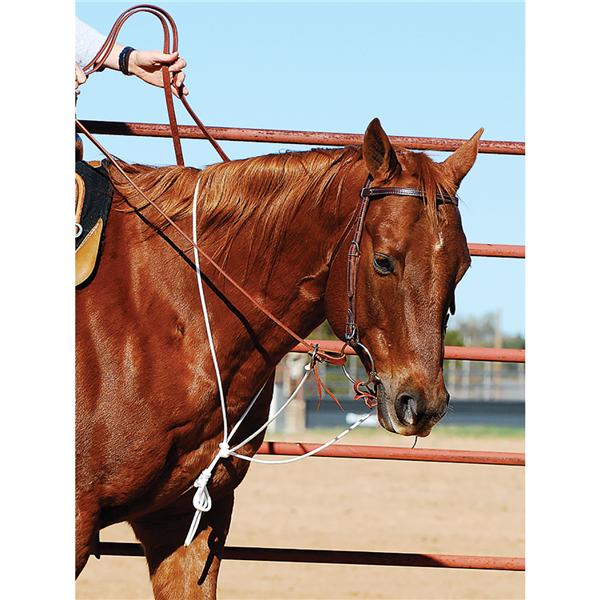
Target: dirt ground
point(357, 504)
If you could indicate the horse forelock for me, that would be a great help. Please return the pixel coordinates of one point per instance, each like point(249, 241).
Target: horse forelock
point(431, 178)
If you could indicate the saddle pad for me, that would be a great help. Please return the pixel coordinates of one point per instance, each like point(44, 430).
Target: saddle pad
point(96, 206)
point(98, 197)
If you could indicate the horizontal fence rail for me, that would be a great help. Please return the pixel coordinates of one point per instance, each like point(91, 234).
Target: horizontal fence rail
point(497, 250)
point(450, 352)
point(390, 453)
point(277, 136)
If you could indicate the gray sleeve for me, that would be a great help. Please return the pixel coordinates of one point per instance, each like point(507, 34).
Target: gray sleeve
point(88, 42)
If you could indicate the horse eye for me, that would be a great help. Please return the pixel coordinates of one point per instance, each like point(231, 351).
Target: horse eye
point(383, 264)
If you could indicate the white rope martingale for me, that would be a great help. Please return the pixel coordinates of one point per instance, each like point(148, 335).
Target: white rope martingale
point(312, 452)
point(202, 501)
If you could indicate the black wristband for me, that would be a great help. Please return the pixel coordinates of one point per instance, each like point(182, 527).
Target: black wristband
point(124, 60)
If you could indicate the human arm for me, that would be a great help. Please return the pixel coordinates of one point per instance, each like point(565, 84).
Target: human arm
point(146, 65)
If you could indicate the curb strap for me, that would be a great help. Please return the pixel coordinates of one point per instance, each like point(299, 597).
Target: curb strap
point(364, 392)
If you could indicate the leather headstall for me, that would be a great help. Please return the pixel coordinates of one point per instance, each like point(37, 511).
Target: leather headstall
point(366, 194)
point(370, 192)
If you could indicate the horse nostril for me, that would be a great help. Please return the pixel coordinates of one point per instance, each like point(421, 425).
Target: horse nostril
point(406, 409)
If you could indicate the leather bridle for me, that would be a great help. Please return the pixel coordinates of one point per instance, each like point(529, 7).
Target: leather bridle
point(367, 193)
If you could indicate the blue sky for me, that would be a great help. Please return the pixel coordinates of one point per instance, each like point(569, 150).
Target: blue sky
point(426, 69)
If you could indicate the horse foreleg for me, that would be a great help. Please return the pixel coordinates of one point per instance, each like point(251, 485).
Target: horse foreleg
point(86, 528)
point(184, 572)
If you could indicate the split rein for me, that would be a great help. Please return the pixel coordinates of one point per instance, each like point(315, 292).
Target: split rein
point(167, 23)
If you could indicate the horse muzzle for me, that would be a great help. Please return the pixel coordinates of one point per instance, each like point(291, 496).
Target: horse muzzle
point(408, 411)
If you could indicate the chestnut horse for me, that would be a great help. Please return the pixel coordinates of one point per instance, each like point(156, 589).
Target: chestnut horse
point(149, 418)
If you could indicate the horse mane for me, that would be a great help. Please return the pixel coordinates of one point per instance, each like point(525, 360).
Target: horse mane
point(262, 193)
point(259, 195)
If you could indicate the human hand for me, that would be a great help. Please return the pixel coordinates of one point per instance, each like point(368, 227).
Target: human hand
point(147, 65)
point(80, 76)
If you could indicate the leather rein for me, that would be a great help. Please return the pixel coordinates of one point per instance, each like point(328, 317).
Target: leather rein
point(168, 24)
point(95, 65)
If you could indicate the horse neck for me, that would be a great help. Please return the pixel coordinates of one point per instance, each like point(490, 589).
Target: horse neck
point(288, 272)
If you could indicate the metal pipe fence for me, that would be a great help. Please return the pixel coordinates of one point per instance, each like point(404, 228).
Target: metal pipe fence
point(277, 136)
point(359, 557)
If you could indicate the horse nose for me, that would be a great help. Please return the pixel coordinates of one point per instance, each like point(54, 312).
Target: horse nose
point(412, 410)
point(406, 406)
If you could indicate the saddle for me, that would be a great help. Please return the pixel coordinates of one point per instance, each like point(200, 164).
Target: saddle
point(93, 198)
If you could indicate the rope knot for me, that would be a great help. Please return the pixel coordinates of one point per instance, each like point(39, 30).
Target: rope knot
point(202, 501)
point(203, 479)
point(224, 450)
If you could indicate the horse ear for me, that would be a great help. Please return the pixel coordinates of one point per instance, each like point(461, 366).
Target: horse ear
point(378, 152)
point(460, 162)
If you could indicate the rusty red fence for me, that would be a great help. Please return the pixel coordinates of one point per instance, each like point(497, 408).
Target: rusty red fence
point(278, 136)
point(450, 353)
point(344, 451)
point(390, 453)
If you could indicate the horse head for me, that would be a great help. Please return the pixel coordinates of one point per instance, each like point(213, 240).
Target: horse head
point(413, 252)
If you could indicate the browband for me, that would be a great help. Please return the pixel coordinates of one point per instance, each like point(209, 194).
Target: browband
point(369, 192)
